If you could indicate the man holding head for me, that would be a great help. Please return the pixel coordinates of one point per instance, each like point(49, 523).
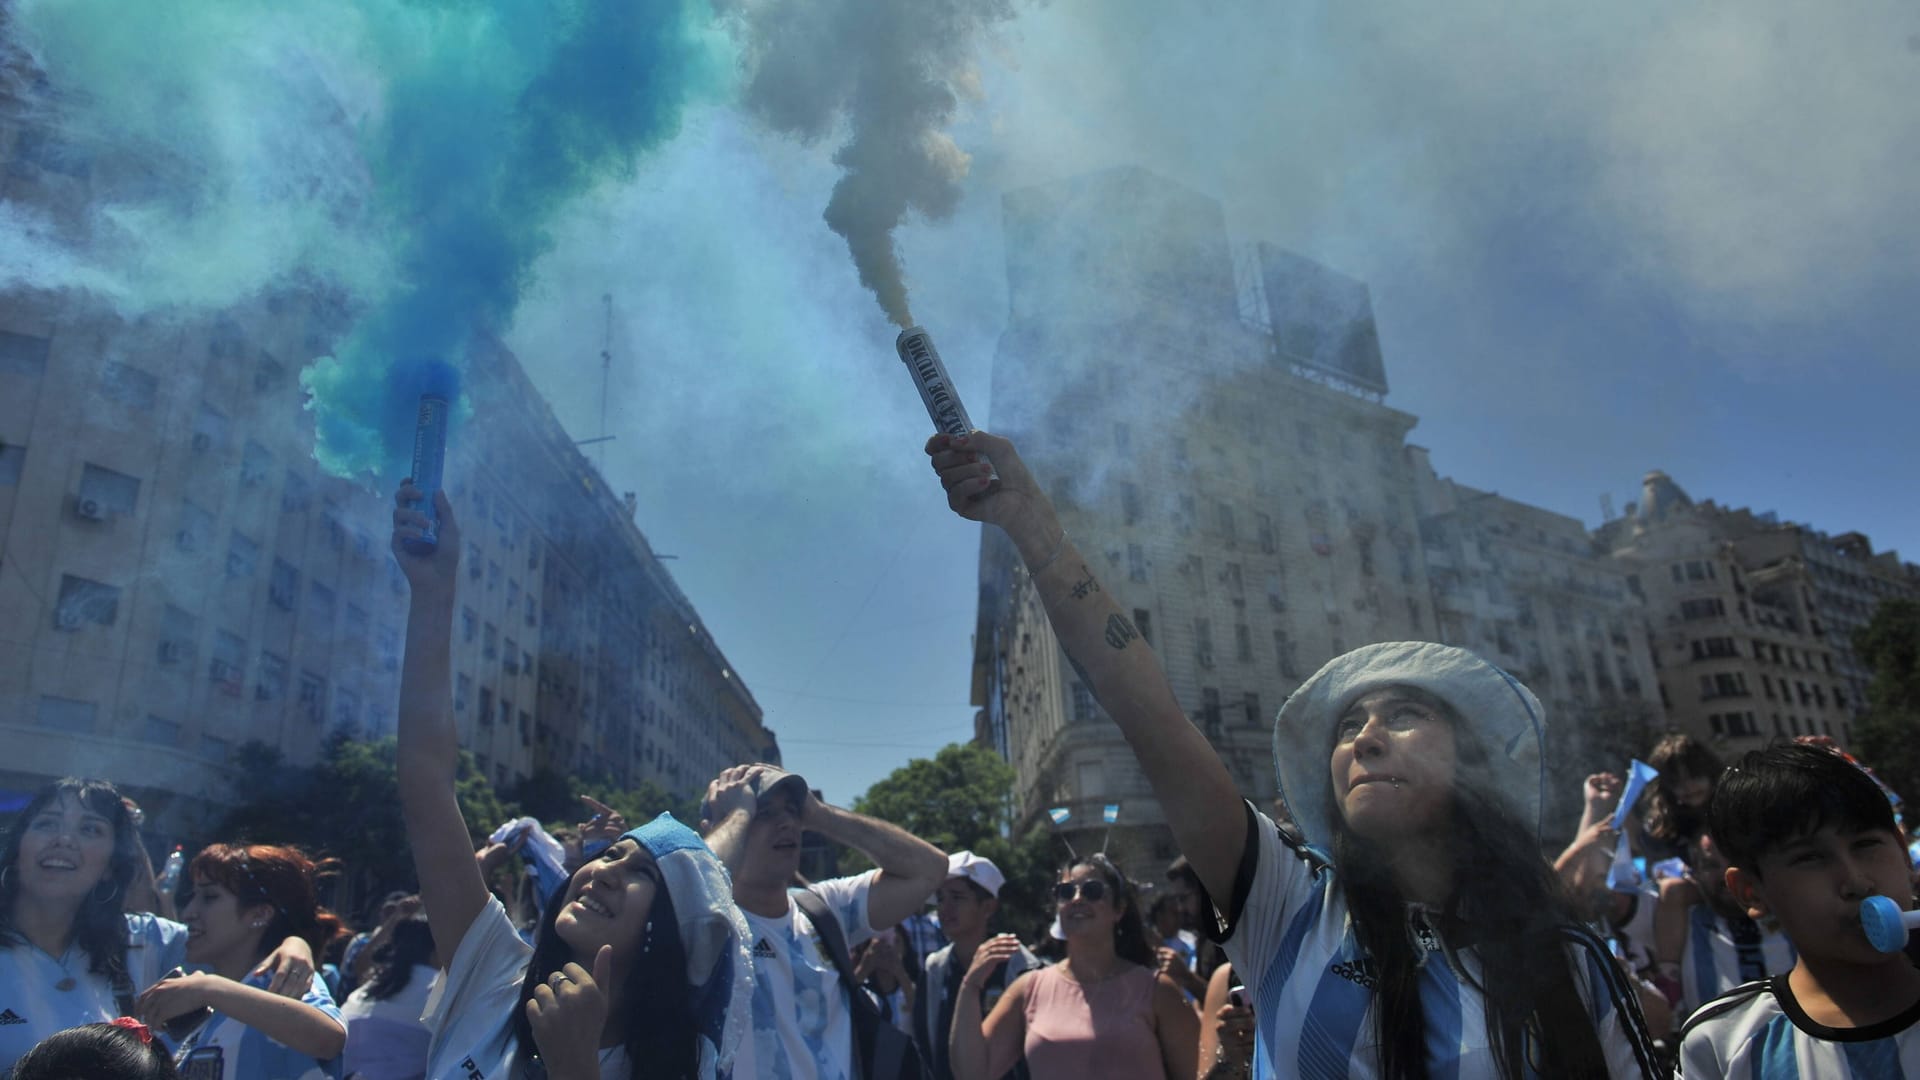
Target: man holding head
point(968, 901)
point(802, 1019)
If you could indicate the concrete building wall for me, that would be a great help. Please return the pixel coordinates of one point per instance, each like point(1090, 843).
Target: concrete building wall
point(177, 577)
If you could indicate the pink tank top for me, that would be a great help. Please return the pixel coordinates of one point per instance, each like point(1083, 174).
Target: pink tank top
point(1105, 1030)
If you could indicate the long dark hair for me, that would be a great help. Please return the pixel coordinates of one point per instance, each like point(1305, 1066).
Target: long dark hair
point(99, 927)
point(662, 1034)
point(282, 877)
point(1506, 903)
point(409, 942)
point(1130, 933)
point(1667, 821)
point(95, 1050)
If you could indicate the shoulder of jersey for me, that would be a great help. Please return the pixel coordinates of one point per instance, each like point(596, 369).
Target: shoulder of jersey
point(1732, 1001)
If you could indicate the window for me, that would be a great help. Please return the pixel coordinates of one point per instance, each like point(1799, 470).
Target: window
point(1707, 608)
point(346, 708)
point(1263, 522)
point(462, 690)
point(296, 493)
point(1363, 544)
point(256, 464)
point(1242, 642)
point(283, 587)
point(209, 429)
point(313, 697)
point(177, 631)
point(490, 643)
point(526, 728)
point(105, 493)
point(229, 663)
point(215, 749)
point(1184, 519)
point(272, 678)
point(1766, 686)
point(358, 626)
point(486, 705)
point(66, 714)
point(1180, 458)
point(1251, 705)
point(1130, 502)
point(22, 354)
point(243, 555)
point(1210, 713)
point(1203, 639)
point(320, 605)
point(160, 731)
point(513, 594)
point(493, 575)
point(1225, 515)
point(469, 625)
point(84, 601)
point(512, 648)
point(1283, 652)
point(1143, 622)
point(506, 712)
point(1136, 563)
point(13, 459)
point(127, 385)
point(1085, 711)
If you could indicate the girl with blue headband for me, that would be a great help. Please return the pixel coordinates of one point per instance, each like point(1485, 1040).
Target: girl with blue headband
point(640, 964)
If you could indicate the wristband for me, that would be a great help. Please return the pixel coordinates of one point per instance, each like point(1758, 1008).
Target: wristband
point(1058, 547)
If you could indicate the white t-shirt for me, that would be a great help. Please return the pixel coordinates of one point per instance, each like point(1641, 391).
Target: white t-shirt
point(471, 1009)
point(802, 1029)
point(385, 1038)
point(1294, 948)
point(31, 1008)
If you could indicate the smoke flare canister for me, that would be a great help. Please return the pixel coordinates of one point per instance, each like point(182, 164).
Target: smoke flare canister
point(916, 350)
point(429, 462)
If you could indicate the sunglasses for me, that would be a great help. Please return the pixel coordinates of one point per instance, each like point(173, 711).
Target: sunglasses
point(1092, 891)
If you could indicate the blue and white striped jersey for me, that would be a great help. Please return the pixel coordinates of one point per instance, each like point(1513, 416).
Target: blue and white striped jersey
point(1758, 1030)
point(1292, 944)
point(1723, 953)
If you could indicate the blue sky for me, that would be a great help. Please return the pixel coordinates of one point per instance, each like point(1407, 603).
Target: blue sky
point(1599, 241)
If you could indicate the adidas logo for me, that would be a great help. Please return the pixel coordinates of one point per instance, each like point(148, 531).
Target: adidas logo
point(11, 1017)
point(1358, 972)
point(763, 947)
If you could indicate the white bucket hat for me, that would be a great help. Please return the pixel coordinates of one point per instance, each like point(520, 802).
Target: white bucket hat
point(1502, 713)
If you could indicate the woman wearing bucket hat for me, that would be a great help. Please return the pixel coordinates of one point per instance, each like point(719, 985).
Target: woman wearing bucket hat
point(1416, 930)
point(640, 964)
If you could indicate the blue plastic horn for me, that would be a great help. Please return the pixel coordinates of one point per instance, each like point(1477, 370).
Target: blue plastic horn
point(1886, 925)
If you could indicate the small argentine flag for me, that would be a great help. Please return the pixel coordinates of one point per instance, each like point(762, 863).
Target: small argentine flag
point(1059, 814)
point(1111, 813)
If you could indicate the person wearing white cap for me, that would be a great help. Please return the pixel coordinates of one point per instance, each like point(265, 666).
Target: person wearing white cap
point(1417, 930)
point(968, 901)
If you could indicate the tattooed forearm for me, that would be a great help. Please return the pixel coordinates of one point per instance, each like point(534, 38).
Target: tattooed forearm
point(1086, 586)
point(1120, 632)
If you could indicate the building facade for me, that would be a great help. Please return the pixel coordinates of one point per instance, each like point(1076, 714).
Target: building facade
point(178, 578)
point(1531, 591)
point(1751, 620)
point(1238, 485)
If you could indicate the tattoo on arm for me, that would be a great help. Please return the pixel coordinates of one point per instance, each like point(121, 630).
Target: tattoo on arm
point(1086, 586)
point(1120, 632)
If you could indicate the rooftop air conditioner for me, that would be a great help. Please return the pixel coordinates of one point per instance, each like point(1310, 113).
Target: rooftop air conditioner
point(89, 509)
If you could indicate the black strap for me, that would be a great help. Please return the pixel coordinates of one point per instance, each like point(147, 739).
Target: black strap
point(864, 1012)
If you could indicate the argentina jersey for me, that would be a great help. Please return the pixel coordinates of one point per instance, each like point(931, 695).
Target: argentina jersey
point(1759, 1030)
point(225, 1049)
point(1724, 952)
point(1294, 948)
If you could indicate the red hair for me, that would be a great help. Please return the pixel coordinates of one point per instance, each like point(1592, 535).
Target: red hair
point(281, 877)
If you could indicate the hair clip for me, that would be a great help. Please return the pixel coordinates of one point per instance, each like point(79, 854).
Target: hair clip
point(144, 1032)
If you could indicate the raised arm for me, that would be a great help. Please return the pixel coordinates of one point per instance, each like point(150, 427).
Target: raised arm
point(1195, 790)
point(451, 888)
point(910, 868)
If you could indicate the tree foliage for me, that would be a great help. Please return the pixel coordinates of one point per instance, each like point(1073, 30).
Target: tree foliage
point(1885, 738)
point(554, 799)
point(961, 799)
point(345, 806)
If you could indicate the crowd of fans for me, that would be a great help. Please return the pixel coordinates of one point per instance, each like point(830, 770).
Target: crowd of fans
point(1392, 915)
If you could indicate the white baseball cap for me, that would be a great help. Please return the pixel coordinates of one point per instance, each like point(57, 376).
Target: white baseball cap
point(982, 872)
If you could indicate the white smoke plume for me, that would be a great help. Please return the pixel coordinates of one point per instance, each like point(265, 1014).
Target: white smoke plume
point(892, 72)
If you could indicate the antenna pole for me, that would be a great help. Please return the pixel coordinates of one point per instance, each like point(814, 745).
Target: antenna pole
point(606, 376)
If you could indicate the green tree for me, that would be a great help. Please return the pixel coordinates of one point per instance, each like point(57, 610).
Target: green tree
point(553, 798)
point(961, 799)
point(345, 806)
point(1885, 738)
